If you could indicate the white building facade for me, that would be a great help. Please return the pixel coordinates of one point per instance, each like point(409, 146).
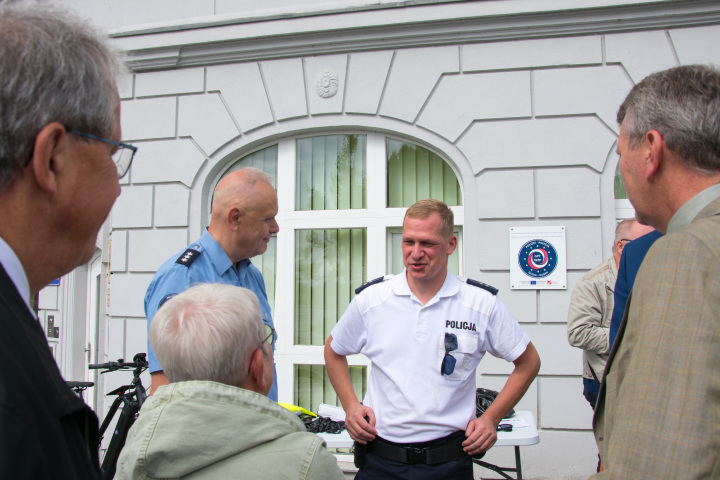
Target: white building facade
point(504, 109)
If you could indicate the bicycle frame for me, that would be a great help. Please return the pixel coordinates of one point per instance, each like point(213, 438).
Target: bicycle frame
point(131, 397)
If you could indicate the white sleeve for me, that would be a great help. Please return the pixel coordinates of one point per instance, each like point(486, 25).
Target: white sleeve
point(504, 337)
point(349, 335)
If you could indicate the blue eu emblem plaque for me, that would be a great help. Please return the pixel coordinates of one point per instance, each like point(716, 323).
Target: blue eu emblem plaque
point(537, 258)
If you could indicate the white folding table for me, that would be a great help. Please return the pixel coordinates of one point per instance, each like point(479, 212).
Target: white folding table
point(519, 437)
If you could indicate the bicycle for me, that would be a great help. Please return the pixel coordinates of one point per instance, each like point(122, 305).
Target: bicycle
point(131, 397)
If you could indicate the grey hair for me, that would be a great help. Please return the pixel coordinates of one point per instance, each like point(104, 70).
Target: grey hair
point(254, 175)
point(207, 333)
point(53, 68)
point(683, 104)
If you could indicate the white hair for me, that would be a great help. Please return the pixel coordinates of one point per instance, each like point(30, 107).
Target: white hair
point(207, 333)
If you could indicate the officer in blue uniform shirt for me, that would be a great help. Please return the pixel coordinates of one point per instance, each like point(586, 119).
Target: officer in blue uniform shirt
point(242, 221)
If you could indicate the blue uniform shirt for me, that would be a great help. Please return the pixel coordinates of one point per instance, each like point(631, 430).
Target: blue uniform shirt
point(204, 261)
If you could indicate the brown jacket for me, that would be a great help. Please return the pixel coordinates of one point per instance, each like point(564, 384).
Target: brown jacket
point(658, 412)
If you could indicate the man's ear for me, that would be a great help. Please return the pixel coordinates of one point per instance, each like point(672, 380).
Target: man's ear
point(45, 164)
point(234, 217)
point(654, 155)
point(257, 371)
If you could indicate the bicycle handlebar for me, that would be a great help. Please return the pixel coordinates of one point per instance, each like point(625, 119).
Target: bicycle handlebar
point(138, 362)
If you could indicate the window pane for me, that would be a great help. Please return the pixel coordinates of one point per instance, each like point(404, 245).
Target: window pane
point(265, 160)
point(620, 192)
point(415, 173)
point(313, 387)
point(397, 258)
point(329, 265)
point(330, 172)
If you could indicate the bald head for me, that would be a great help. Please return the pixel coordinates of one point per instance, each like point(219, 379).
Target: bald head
point(242, 219)
point(233, 189)
point(626, 231)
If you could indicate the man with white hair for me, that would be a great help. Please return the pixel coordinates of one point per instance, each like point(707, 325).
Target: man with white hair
point(214, 419)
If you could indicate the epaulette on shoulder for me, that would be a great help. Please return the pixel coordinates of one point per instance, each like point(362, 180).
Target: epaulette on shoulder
point(371, 282)
point(188, 257)
point(482, 285)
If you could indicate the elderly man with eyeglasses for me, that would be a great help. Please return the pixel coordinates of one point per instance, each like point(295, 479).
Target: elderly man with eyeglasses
point(214, 420)
point(60, 160)
point(425, 332)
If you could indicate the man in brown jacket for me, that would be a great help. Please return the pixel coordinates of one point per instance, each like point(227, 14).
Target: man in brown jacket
point(659, 403)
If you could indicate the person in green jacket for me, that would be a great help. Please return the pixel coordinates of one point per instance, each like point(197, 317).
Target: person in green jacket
point(214, 419)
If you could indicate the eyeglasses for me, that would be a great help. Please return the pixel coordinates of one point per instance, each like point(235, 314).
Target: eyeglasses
point(123, 155)
point(269, 335)
point(448, 363)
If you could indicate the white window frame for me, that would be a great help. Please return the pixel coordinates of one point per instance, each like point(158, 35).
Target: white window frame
point(377, 219)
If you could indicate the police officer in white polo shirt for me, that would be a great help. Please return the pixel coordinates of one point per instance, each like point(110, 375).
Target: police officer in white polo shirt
point(425, 331)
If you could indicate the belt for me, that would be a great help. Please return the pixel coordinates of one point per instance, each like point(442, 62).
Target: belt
point(429, 455)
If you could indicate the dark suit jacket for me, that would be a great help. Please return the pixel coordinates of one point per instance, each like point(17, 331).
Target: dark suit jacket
point(658, 412)
point(630, 260)
point(46, 431)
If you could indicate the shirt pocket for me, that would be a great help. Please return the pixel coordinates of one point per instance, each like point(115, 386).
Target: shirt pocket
point(464, 354)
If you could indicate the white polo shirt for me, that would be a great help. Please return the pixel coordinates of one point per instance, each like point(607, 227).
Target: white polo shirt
point(405, 341)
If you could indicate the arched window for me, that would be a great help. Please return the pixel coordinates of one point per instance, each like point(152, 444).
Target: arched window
point(342, 198)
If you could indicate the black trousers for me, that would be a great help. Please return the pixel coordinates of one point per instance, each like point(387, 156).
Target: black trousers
point(378, 468)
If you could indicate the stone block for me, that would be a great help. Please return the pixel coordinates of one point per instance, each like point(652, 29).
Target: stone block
point(458, 100)
point(133, 208)
point(286, 87)
point(563, 404)
point(171, 206)
point(697, 45)
point(135, 338)
point(150, 118)
point(584, 244)
point(413, 75)
point(556, 354)
point(641, 53)
point(242, 88)
point(549, 52)
point(170, 82)
point(167, 161)
point(148, 249)
point(581, 91)
point(118, 251)
point(521, 303)
point(548, 142)
point(325, 83)
point(554, 304)
point(506, 194)
point(127, 295)
point(206, 120)
point(568, 192)
point(367, 73)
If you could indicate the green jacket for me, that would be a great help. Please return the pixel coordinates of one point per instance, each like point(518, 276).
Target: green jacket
point(207, 430)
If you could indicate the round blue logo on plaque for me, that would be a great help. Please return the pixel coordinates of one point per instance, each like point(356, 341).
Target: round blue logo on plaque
point(537, 258)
